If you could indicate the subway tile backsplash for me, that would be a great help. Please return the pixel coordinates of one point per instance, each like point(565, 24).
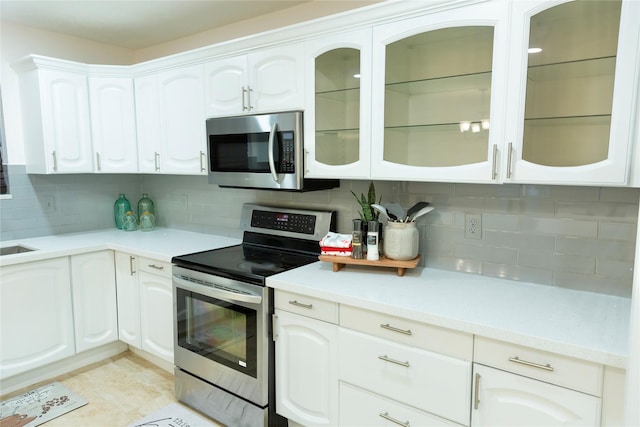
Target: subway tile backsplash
point(574, 237)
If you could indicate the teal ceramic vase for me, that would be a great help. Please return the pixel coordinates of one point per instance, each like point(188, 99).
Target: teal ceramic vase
point(146, 213)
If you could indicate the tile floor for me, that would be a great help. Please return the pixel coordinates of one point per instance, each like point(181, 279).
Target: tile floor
point(120, 391)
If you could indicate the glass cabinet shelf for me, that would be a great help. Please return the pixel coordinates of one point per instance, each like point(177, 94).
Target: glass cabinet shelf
point(439, 101)
point(574, 141)
point(439, 145)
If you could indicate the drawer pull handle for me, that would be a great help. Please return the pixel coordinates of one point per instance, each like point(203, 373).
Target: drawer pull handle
point(394, 329)
point(476, 401)
point(397, 362)
point(387, 417)
point(299, 304)
point(546, 367)
point(157, 267)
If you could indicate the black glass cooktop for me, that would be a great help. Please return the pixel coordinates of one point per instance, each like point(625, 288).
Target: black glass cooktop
point(245, 262)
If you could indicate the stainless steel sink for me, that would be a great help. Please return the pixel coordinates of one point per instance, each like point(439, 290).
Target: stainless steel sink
point(17, 249)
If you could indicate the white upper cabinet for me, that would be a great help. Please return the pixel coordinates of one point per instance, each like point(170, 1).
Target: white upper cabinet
point(265, 80)
point(171, 122)
point(113, 124)
point(439, 95)
point(56, 119)
point(573, 98)
point(338, 115)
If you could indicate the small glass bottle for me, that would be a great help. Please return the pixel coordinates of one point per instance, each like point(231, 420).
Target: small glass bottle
point(121, 207)
point(372, 241)
point(357, 251)
point(129, 221)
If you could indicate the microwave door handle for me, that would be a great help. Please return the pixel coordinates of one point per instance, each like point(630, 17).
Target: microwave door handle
point(272, 163)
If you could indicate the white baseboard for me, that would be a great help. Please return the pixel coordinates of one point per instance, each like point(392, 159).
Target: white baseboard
point(161, 363)
point(55, 369)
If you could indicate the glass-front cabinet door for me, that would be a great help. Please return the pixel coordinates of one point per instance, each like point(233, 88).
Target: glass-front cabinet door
point(337, 118)
point(572, 118)
point(438, 95)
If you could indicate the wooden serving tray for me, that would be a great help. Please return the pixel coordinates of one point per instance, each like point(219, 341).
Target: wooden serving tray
point(340, 261)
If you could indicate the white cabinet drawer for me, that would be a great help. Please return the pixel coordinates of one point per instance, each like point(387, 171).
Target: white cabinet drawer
point(410, 332)
point(315, 308)
point(549, 367)
point(360, 408)
point(428, 381)
point(153, 266)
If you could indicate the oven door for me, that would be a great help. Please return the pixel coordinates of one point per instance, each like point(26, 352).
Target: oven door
point(221, 332)
point(256, 151)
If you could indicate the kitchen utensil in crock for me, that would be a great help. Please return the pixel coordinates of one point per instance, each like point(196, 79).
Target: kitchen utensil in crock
point(415, 208)
point(382, 210)
point(421, 212)
point(396, 210)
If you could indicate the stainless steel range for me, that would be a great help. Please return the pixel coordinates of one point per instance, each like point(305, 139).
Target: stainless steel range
point(224, 354)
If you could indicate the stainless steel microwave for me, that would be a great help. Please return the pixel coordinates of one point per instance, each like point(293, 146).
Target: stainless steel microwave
point(262, 151)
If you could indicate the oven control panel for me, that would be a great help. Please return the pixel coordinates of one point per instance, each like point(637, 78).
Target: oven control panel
point(292, 222)
point(284, 221)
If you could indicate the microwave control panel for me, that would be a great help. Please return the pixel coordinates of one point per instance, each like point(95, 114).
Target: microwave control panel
point(288, 153)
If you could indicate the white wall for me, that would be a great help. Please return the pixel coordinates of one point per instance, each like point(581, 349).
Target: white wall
point(293, 15)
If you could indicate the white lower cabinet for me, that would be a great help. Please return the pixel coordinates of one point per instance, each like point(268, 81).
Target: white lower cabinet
point(306, 365)
point(361, 408)
point(505, 399)
point(522, 386)
point(36, 315)
point(145, 304)
point(94, 299)
point(156, 308)
point(128, 299)
point(429, 381)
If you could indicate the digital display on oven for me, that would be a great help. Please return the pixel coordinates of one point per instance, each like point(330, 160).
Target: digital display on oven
point(282, 217)
point(295, 223)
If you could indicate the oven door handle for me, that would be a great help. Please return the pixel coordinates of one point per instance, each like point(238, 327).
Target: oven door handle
point(210, 291)
point(272, 163)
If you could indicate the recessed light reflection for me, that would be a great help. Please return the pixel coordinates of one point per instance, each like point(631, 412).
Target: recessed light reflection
point(534, 50)
point(357, 76)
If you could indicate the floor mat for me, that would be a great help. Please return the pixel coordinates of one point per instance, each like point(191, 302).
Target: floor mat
point(173, 415)
point(39, 406)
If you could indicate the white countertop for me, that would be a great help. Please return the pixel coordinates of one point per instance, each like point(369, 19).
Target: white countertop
point(161, 244)
point(584, 325)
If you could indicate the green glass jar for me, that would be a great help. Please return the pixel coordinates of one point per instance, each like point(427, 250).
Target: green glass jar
point(145, 205)
point(121, 207)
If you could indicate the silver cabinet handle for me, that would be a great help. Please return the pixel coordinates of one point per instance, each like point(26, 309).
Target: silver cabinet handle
point(387, 417)
point(244, 105)
point(394, 329)
point(397, 362)
point(157, 267)
point(299, 304)
point(99, 167)
point(131, 268)
point(274, 325)
point(202, 169)
point(306, 161)
point(509, 160)
point(156, 160)
point(476, 389)
point(249, 90)
point(55, 161)
point(494, 171)
point(546, 367)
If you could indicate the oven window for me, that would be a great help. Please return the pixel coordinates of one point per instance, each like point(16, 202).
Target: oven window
point(218, 330)
point(246, 152)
